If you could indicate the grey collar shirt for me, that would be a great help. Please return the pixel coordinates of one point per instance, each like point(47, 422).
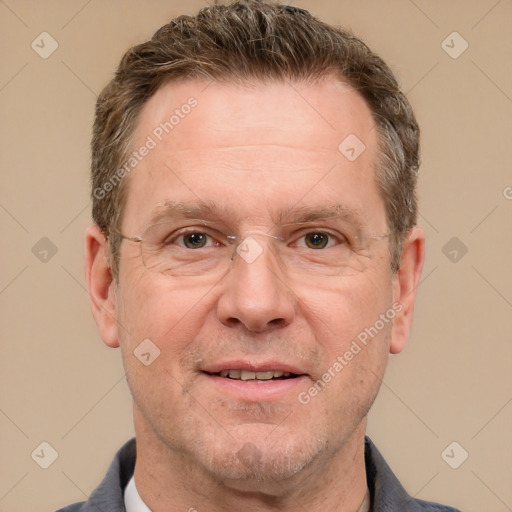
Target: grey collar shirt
point(386, 492)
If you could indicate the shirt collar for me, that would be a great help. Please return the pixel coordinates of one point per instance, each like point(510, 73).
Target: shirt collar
point(132, 500)
point(386, 493)
point(134, 503)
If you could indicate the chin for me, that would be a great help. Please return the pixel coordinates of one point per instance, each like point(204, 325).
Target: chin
point(248, 461)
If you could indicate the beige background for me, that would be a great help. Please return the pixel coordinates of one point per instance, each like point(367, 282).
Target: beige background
point(61, 385)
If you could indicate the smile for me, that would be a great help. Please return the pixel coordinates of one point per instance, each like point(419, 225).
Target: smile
point(255, 381)
point(250, 375)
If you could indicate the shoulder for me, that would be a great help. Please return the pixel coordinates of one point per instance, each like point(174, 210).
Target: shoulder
point(387, 492)
point(72, 508)
point(429, 506)
point(109, 495)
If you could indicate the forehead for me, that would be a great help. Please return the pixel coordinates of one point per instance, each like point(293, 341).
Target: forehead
point(254, 148)
point(316, 113)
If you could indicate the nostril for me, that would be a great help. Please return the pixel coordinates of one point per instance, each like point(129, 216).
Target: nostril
point(277, 322)
point(232, 322)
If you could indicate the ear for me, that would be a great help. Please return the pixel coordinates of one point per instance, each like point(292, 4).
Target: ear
point(101, 285)
point(405, 284)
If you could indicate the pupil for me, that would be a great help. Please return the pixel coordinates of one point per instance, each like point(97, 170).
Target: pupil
point(316, 240)
point(195, 240)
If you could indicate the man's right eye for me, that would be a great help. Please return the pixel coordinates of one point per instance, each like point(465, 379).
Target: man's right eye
point(191, 240)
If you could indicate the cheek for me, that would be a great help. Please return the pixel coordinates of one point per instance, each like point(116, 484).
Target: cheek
point(346, 323)
point(341, 309)
point(157, 322)
point(169, 313)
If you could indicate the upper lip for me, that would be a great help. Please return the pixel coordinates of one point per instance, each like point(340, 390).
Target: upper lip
point(266, 366)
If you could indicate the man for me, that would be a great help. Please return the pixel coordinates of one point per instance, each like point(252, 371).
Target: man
point(255, 257)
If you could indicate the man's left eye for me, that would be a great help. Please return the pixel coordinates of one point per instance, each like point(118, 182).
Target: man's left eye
point(318, 240)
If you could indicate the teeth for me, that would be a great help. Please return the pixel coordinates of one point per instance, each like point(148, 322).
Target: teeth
point(264, 375)
point(248, 375)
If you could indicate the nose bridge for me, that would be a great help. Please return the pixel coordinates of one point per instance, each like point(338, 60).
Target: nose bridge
point(252, 246)
point(256, 295)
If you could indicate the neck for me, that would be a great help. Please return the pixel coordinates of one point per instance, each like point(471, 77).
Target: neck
point(171, 481)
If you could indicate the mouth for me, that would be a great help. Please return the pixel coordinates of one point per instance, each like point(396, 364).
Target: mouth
point(261, 376)
point(266, 381)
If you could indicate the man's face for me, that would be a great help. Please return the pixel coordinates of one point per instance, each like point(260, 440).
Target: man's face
point(267, 159)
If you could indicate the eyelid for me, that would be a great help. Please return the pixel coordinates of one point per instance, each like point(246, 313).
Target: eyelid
point(338, 237)
point(175, 235)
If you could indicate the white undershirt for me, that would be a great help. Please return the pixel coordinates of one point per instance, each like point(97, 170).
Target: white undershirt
point(133, 502)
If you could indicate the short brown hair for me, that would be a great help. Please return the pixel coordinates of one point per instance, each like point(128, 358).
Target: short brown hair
point(254, 40)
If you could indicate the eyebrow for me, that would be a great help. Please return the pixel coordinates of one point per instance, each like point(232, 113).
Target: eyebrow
point(175, 209)
point(306, 214)
point(294, 215)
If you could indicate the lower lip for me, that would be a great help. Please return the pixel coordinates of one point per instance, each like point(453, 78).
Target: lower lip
point(258, 390)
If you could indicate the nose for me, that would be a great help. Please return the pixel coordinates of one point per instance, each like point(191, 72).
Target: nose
point(255, 293)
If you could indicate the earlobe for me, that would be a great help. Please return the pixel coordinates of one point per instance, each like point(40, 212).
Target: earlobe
point(406, 282)
point(101, 286)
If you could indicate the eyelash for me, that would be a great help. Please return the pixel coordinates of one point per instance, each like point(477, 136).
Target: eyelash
point(331, 238)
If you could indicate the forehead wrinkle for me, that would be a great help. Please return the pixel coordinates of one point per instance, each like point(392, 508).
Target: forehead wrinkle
point(295, 214)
